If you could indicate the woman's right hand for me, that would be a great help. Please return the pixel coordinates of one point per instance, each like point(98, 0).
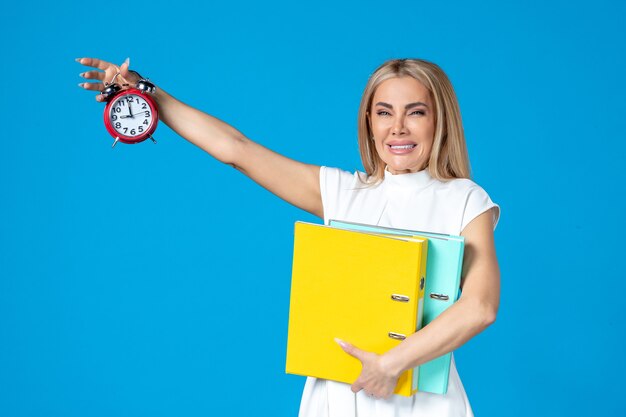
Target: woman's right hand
point(104, 73)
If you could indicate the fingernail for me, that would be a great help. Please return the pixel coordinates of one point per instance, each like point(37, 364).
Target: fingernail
point(80, 84)
point(82, 74)
point(78, 59)
point(127, 62)
point(340, 342)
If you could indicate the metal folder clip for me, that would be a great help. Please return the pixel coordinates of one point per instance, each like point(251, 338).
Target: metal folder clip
point(398, 297)
point(441, 297)
point(397, 336)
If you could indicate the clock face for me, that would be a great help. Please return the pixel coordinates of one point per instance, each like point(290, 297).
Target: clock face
point(130, 115)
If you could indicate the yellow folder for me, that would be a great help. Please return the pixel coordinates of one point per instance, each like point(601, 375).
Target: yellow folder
point(364, 288)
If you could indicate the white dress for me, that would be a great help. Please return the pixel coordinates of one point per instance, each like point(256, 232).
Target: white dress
point(409, 201)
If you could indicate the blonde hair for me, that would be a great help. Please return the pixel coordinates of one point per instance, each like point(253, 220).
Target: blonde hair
point(448, 157)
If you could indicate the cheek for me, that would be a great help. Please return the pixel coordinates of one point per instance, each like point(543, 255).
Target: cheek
point(428, 145)
point(427, 134)
point(378, 145)
point(379, 135)
point(378, 129)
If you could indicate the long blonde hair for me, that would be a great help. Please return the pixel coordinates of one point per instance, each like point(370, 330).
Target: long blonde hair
point(448, 157)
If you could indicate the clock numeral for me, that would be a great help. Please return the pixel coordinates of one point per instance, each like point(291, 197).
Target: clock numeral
point(113, 117)
point(141, 128)
point(130, 99)
point(118, 125)
point(145, 122)
point(133, 132)
point(118, 109)
point(125, 129)
point(147, 114)
point(144, 106)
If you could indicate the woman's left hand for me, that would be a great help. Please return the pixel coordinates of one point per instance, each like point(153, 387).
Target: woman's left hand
point(376, 379)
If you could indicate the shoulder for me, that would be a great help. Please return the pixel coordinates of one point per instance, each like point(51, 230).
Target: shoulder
point(342, 190)
point(457, 186)
point(336, 176)
point(472, 197)
point(335, 180)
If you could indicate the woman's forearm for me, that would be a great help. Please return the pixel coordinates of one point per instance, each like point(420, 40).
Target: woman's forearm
point(475, 310)
point(214, 136)
point(450, 330)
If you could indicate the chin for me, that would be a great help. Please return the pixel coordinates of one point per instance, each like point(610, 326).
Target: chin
point(403, 168)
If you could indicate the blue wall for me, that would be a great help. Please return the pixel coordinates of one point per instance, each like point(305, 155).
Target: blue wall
point(117, 266)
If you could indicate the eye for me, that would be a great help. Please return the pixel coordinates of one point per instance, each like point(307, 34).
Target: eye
point(418, 112)
point(383, 113)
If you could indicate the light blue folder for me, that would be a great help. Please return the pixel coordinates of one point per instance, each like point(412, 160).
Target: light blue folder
point(443, 277)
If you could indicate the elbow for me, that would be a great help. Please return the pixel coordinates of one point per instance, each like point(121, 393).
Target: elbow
point(482, 315)
point(234, 150)
point(487, 316)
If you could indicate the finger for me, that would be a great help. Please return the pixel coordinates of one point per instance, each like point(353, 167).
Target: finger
point(386, 395)
point(94, 62)
point(93, 75)
point(127, 74)
point(124, 67)
point(357, 386)
point(92, 86)
point(351, 349)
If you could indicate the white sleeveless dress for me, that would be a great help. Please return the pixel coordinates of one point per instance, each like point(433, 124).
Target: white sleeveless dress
point(409, 201)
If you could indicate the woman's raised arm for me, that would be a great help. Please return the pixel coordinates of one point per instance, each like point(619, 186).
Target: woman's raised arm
point(293, 181)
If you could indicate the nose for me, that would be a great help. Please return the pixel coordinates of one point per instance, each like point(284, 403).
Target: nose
point(399, 128)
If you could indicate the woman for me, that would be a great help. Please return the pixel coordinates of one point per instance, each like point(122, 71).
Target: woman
point(416, 177)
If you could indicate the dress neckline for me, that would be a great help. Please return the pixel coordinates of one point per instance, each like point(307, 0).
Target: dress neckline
point(419, 179)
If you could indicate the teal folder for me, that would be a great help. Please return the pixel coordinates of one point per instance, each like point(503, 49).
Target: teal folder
point(443, 278)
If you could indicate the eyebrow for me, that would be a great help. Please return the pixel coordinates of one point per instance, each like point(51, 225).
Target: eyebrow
point(408, 106)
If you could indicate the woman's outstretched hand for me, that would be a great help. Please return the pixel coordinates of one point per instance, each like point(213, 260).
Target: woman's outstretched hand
point(375, 379)
point(104, 72)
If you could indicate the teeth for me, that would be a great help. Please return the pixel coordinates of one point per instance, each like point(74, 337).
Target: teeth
point(402, 146)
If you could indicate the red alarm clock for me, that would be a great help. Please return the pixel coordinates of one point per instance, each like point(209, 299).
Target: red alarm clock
point(130, 115)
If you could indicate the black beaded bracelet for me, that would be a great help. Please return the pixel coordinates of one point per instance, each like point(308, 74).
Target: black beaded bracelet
point(136, 73)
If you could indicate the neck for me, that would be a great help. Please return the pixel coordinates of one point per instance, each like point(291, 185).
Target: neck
point(403, 171)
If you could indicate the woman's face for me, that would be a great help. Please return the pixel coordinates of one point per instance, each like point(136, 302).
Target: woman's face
point(402, 122)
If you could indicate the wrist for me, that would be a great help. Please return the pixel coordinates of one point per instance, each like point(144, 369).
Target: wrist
point(136, 75)
point(392, 363)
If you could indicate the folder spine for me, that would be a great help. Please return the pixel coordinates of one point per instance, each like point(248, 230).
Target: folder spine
point(420, 308)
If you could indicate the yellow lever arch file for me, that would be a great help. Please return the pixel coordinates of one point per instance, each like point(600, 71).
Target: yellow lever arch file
point(364, 288)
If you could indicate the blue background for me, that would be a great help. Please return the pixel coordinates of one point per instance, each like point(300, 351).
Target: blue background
point(151, 280)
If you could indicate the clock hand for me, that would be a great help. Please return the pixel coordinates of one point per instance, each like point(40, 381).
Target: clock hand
point(129, 115)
